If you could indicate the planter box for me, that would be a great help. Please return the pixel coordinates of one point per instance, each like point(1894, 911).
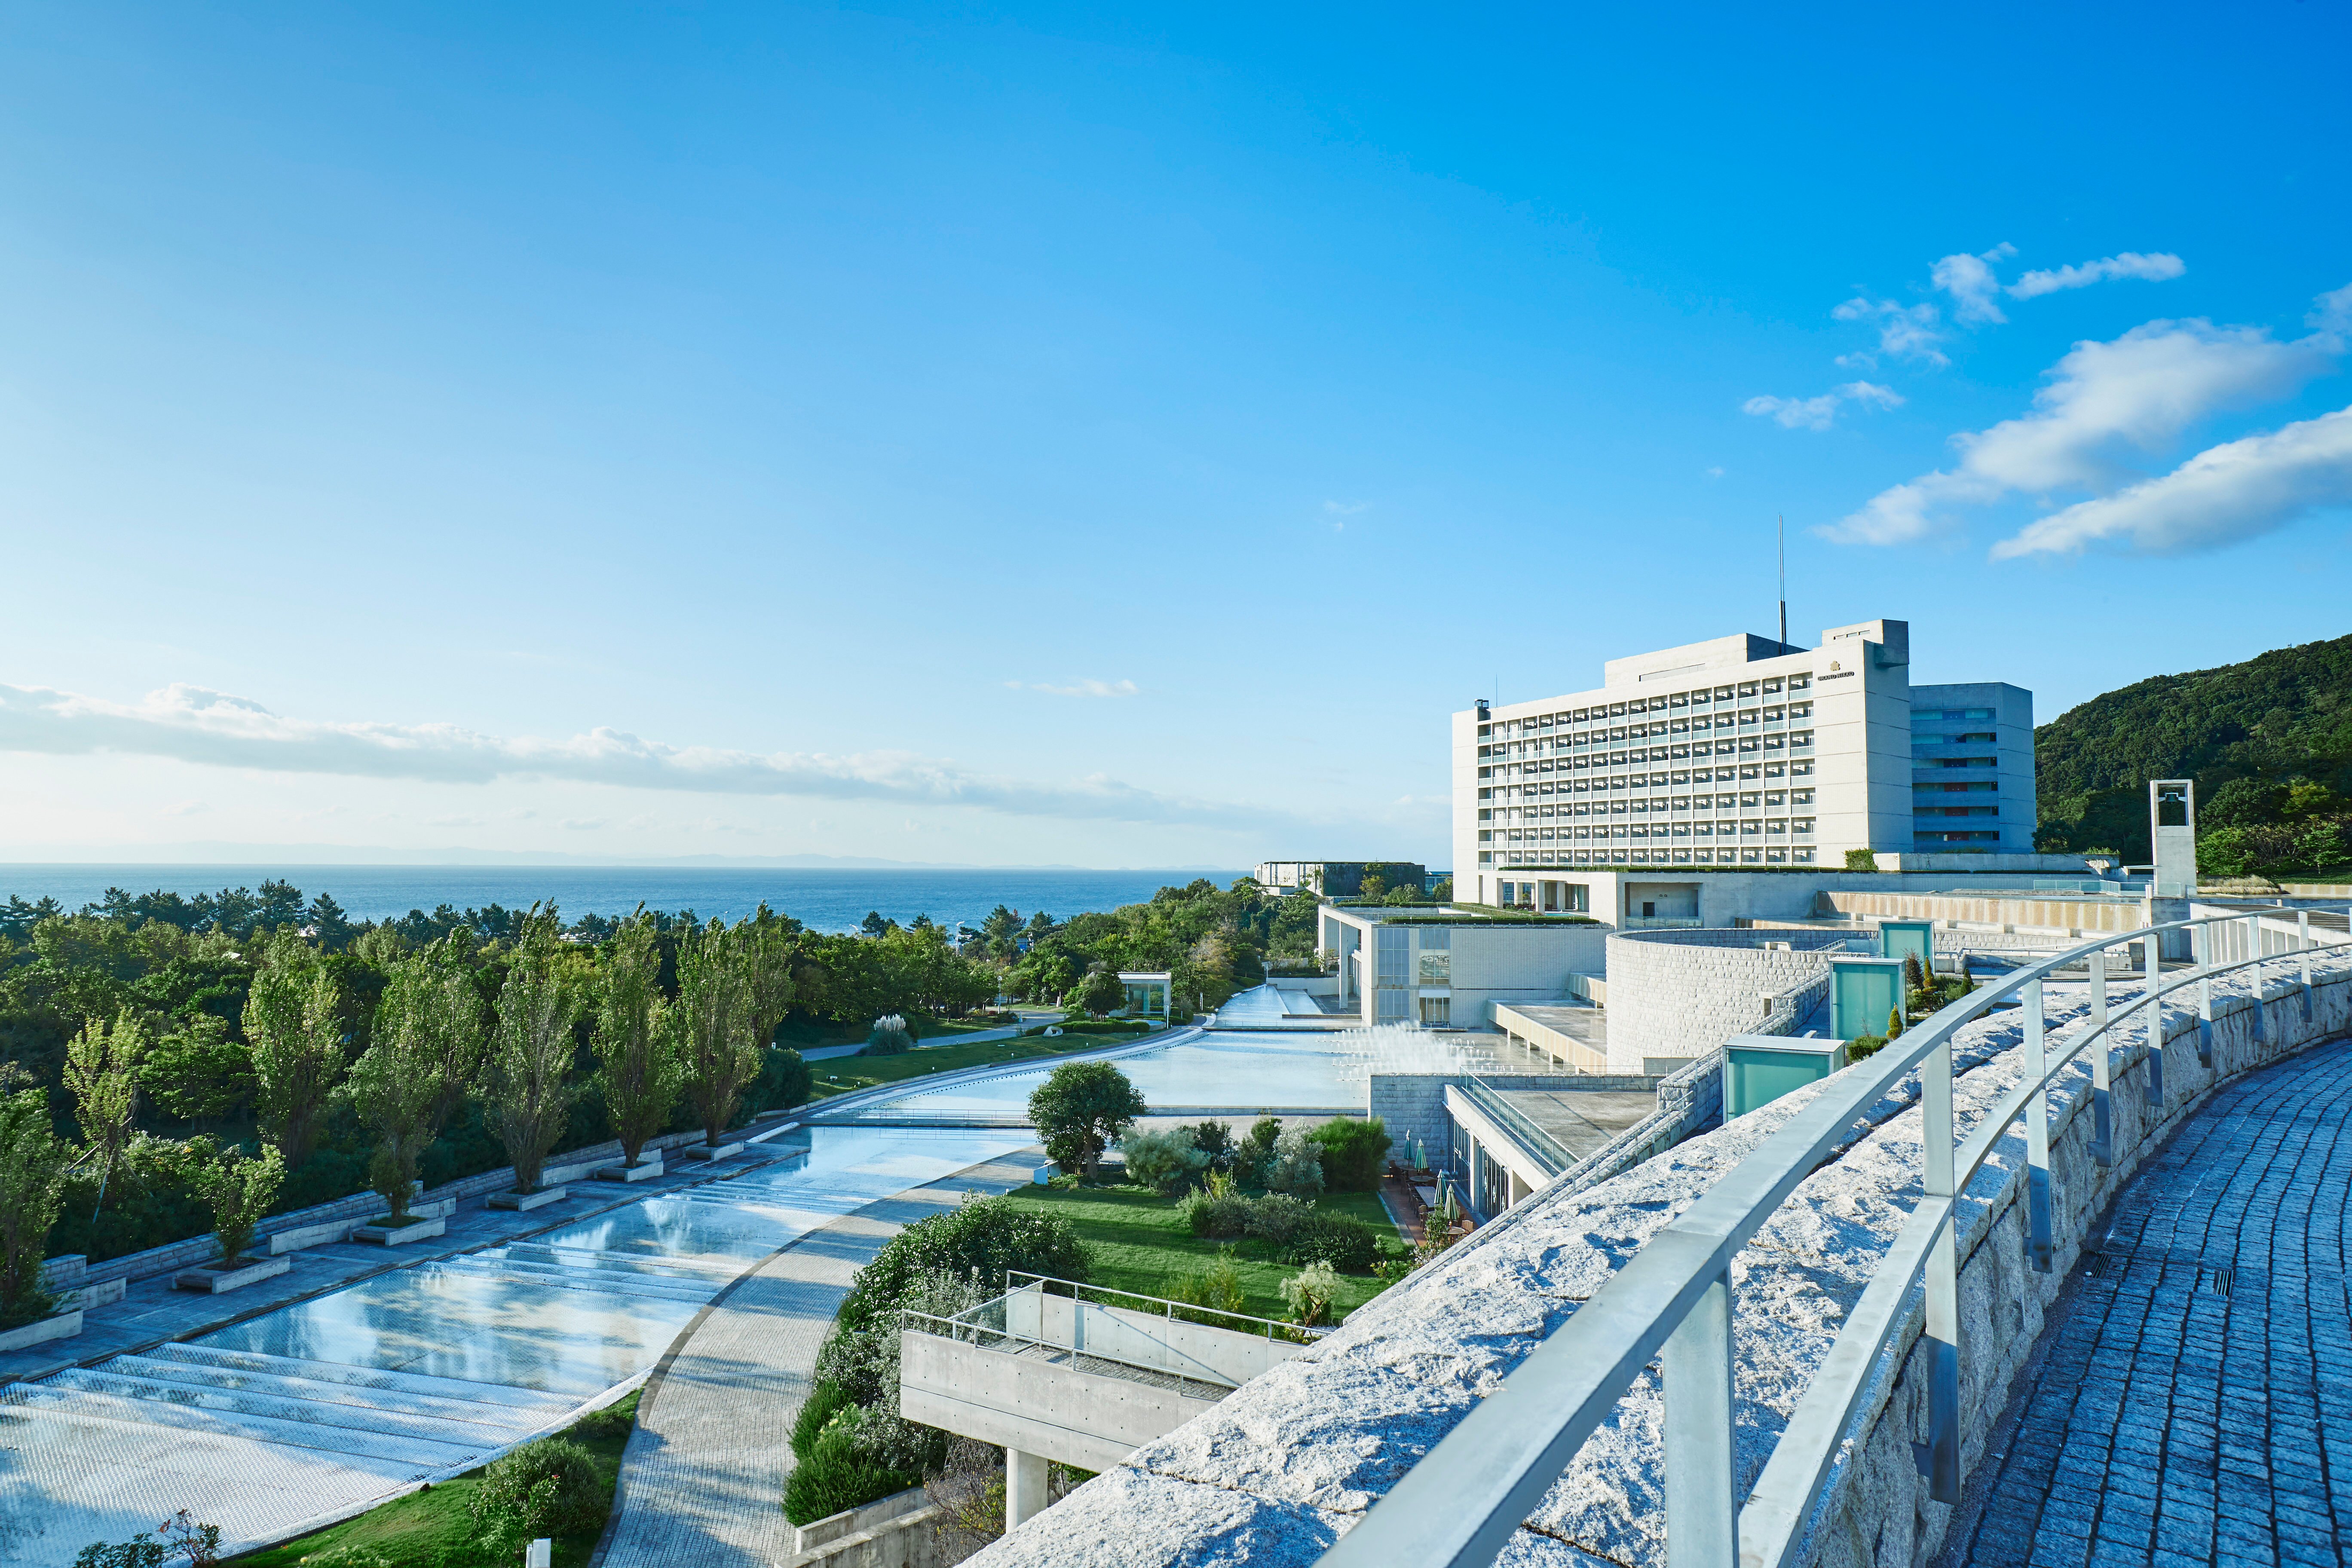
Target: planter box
point(303, 1236)
point(64, 1326)
point(217, 1278)
point(708, 1150)
point(440, 1210)
point(643, 1171)
point(537, 1199)
point(393, 1236)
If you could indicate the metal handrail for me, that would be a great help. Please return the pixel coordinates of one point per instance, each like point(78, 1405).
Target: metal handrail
point(967, 1327)
point(1671, 1300)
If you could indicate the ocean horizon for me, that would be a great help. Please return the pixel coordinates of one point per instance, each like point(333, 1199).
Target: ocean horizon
point(823, 900)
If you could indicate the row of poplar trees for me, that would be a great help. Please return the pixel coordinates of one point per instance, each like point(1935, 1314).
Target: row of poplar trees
point(435, 1044)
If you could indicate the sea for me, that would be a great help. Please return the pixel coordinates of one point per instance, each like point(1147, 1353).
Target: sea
point(822, 899)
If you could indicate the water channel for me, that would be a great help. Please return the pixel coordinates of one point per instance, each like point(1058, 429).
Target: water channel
point(313, 1411)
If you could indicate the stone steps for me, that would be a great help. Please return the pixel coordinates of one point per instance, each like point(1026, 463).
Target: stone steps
point(592, 1281)
point(289, 1409)
point(295, 1387)
point(366, 1377)
point(49, 1398)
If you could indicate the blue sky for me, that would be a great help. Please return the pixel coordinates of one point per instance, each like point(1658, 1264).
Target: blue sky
point(1104, 438)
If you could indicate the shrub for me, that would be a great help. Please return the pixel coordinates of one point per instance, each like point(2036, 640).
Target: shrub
point(825, 1401)
point(1860, 860)
point(1255, 1153)
point(1296, 1166)
point(1309, 1293)
point(1352, 1152)
point(1863, 1046)
point(546, 1487)
point(1277, 1216)
point(1216, 1210)
point(1214, 1139)
point(889, 1037)
point(981, 1236)
point(784, 1082)
point(1168, 1161)
point(835, 1475)
point(1347, 1244)
point(1217, 1288)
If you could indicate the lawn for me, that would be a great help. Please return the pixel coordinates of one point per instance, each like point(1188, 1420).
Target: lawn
point(1139, 1243)
point(434, 1528)
point(840, 1074)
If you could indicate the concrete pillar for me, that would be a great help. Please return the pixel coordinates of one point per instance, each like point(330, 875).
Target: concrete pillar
point(1025, 1486)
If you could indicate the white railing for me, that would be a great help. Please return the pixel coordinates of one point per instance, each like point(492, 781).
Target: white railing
point(1671, 1302)
point(1093, 1321)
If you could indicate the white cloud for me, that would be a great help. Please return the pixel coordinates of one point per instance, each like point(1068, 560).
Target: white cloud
point(2104, 401)
point(2155, 267)
point(2227, 493)
point(1969, 280)
point(1906, 331)
point(1818, 413)
point(583, 823)
point(212, 729)
point(1083, 689)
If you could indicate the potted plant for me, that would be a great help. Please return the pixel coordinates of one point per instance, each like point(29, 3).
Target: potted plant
point(238, 1188)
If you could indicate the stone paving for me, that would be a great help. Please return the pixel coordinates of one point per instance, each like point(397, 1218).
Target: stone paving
point(2195, 1407)
point(702, 1479)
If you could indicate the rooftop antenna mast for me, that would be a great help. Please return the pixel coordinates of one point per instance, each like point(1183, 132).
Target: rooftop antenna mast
point(1780, 535)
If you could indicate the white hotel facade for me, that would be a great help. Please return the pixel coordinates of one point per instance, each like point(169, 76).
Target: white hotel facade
point(1742, 752)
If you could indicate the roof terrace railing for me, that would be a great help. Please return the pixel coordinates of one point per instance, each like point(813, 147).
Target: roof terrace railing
point(1540, 1145)
point(1125, 1339)
point(1671, 1300)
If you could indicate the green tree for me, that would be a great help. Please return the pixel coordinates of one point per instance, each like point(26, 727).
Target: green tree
point(1081, 1107)
point(197, 1073)
point(238, 1188)
point(527, 1079)
point(292, 1018)
point(101, 1071)
point(637, 1041)
point(419, 1066)
point(1860, 860)
point(733, 985)
point(1102, 991)
point(32, 1182)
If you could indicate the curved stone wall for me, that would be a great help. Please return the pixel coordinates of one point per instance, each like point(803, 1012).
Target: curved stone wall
point(1293, 1459)
point(1684, 993)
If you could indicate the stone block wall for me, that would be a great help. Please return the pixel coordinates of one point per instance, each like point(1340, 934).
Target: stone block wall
point(1684, 993)
point(1877, 1511)
point(1295, 1458)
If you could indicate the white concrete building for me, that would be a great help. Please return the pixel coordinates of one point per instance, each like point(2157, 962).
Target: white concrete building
point(1741, 751)
point(1446, 970)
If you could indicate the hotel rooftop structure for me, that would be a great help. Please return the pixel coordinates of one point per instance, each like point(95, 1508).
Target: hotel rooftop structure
point(1742, 753)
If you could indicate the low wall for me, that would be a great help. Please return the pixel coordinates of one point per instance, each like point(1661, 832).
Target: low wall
point(1684, 993)
point(1296, 1459)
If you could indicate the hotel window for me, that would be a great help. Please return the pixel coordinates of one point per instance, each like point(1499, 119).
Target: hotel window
point(1771, 687)
point(1800, 682)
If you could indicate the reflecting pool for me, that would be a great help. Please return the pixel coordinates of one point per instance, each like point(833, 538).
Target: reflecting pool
point(326, 1405)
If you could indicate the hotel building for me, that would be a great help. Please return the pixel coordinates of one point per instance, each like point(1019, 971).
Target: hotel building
point(1742, 752)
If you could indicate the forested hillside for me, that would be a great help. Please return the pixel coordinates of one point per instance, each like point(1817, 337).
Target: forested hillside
point(2269, 742)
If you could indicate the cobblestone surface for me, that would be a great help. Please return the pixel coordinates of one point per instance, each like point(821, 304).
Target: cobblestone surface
point(2196, 1407)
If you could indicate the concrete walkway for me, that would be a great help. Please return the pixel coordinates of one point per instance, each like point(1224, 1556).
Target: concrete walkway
point(702, 1480)
point(2195, 1404)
